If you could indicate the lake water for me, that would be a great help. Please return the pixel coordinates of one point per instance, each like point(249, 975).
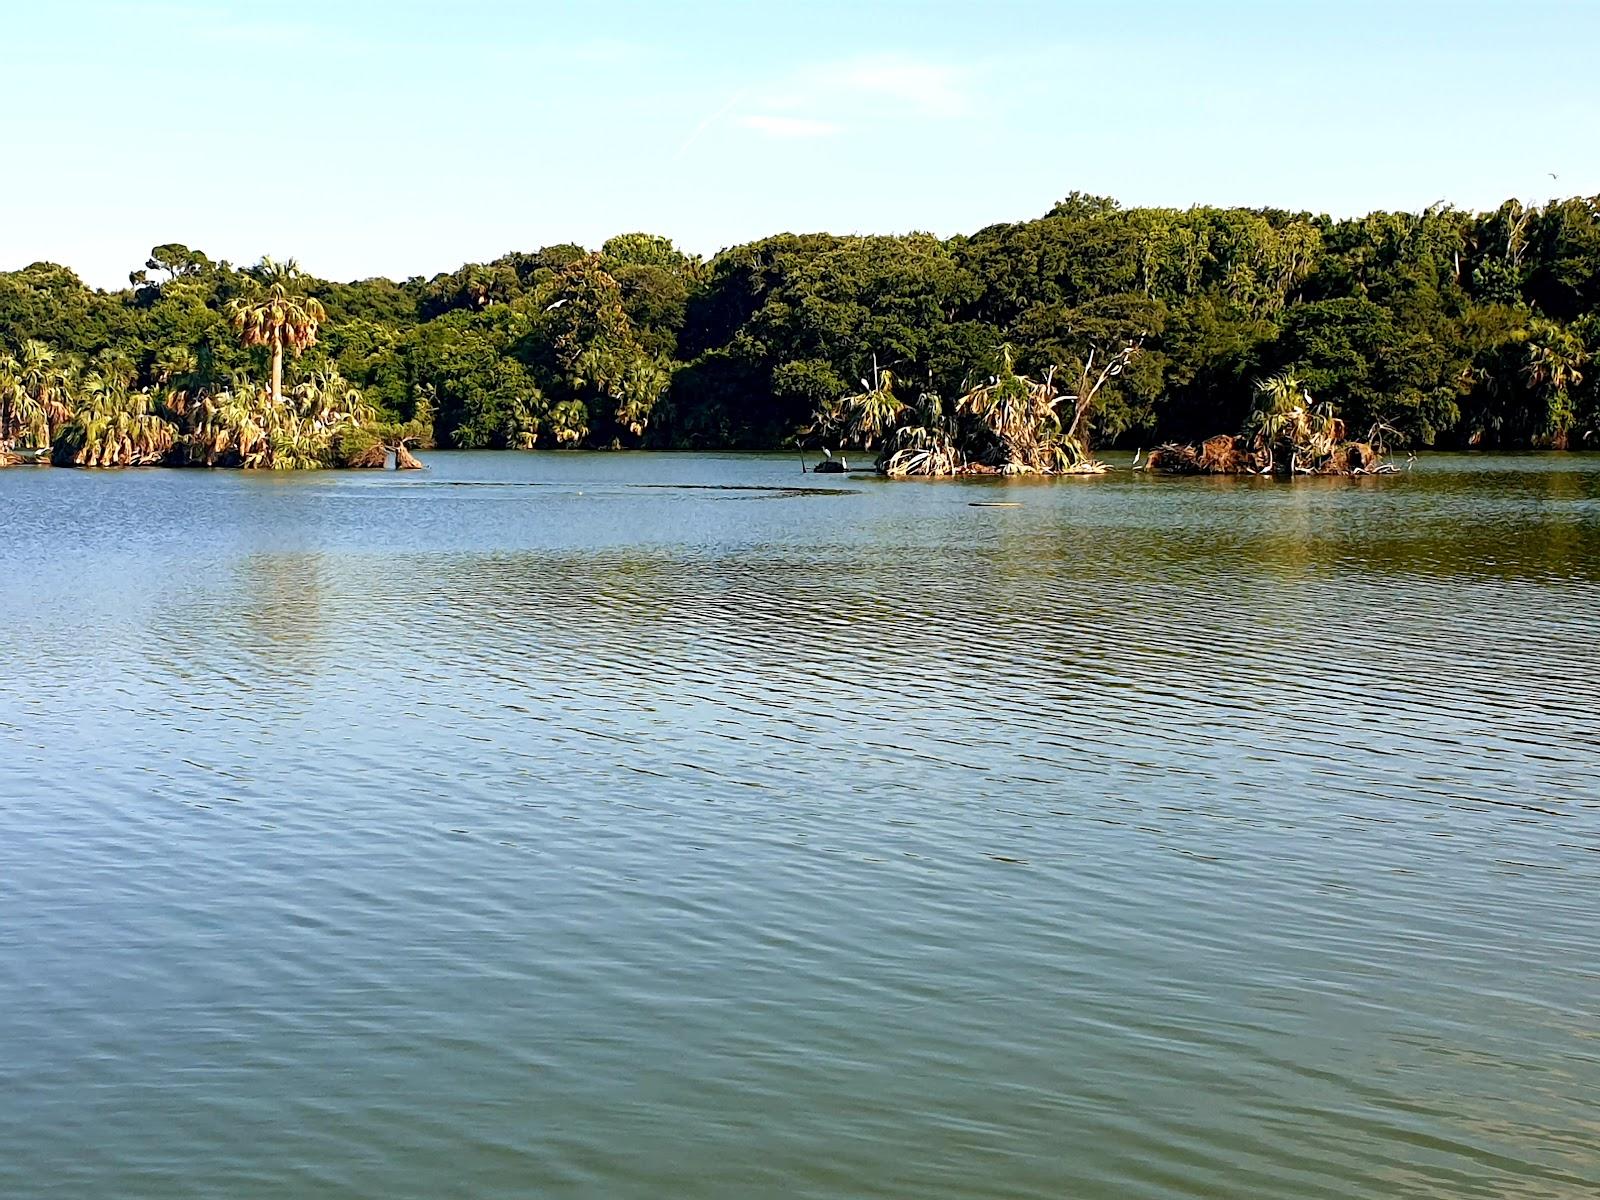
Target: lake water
point(655, 826)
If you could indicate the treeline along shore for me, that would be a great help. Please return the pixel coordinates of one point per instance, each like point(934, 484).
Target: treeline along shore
point(1021, 346)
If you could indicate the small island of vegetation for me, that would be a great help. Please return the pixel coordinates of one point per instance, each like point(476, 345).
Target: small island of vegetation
point(188, 414)
point(1013, 425)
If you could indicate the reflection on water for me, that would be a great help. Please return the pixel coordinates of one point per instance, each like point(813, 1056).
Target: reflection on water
point(682, 825)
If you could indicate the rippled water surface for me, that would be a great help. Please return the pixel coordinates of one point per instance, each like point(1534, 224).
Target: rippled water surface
point(649, 826)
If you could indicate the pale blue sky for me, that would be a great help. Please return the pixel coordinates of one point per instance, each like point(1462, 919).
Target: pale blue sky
point(393, 137)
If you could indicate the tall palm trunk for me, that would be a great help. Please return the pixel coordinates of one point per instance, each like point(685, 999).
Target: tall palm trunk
point(277, 369)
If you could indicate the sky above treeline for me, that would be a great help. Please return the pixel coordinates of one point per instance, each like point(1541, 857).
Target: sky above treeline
point(390, 137)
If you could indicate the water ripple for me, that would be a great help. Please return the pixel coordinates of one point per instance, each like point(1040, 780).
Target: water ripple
point(657, 825)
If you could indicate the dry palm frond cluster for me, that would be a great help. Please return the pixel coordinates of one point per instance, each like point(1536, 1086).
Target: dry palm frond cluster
point(242, 427)
point(100, 420)
point(278, 319)
point(113, 427)
point(1287, 433)
point(923, 445)
point(1020, 424)
point(1010, 424)
point(35, 396)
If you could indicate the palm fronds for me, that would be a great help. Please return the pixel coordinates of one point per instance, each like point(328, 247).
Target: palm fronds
point(924, 445)
point(1009, 423)
point(862, 418)
point(277, 318)
point(241, 426)
point(36, 396)
point(1287, 432)
point(114, 427)
point(1020, 418)
point(1287, 427)
point(568, 422)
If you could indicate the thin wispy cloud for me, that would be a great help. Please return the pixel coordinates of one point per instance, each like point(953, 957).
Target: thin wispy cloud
point(787, 127)
point(706, 123)
point(833, 97)
point(931, 89)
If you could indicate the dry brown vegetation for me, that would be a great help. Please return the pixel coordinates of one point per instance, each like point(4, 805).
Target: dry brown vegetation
point(1288, 433)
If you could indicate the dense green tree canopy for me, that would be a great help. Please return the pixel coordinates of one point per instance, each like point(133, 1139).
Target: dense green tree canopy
point(1446, 327)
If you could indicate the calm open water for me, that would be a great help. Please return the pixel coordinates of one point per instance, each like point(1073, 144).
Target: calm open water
point(646, 826)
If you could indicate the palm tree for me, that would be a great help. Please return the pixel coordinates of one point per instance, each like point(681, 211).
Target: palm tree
point(1017, 412)
point(872, 412)
point(569, 422)
point(860, 419)
point(241, 426)
point(1554, 367)
point(10, 394)
point(113, 426)
point(1276, 417)
point(327, 400)
point(519, 427)
point(225, 428)
point(1286, 421)
point(35, 395)
point(644, 381)
point(184, 376)
point(278, 319)
point(1023, 425)
point(925, 444)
